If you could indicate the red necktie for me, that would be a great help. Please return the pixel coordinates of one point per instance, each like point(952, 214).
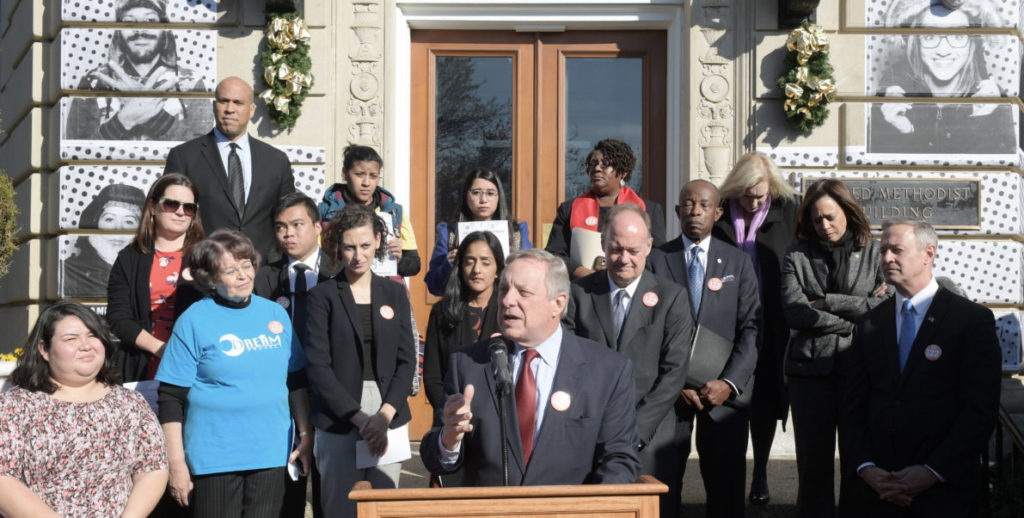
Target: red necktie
point(526, 403)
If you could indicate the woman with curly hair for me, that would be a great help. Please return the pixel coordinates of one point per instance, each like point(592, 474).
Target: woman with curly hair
point(360, 356)
point(610, 165)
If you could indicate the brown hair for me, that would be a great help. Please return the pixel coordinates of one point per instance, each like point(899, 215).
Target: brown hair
point(205, 256)
point(856, 221)
point(146, 233)
point(352, 216)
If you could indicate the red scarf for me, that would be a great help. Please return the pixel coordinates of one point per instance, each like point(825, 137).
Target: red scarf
point(586, 209)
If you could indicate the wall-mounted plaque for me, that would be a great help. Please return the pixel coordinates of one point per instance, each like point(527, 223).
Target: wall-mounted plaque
point(948, 204)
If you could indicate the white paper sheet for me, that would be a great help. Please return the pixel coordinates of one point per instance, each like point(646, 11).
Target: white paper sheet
point(497, 227)
point(398, 450)
point(388, 266)
point(585, 246)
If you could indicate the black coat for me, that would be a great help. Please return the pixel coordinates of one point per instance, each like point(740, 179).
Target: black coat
point(128, 307)
point(199, 159)
point(442, 342)
point(774, 237)
point(272, 283)
point(334, 351)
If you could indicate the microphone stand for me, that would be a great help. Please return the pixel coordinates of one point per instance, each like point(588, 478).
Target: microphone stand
point(502, 391)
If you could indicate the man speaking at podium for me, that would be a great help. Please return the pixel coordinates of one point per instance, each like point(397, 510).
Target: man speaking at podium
point(570, 417)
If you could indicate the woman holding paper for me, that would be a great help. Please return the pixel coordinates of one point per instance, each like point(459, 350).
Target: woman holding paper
point(467, 313)
point(483, 199)
point(145, 293)
point(360, 357)
point(610, 165)
point(759, 217)
point(830, 278)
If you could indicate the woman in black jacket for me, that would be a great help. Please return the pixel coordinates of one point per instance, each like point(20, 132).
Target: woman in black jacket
point(146, 291)
point(360, 359)
point(467, 313)
point(758, 216)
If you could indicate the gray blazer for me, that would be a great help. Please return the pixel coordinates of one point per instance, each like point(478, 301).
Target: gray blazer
point(818, 334)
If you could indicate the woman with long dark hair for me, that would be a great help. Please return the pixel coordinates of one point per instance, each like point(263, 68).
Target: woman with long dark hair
point(466, 313)
point(74, 442)
point(483, 199)
point(830, 278)
point(145, 292)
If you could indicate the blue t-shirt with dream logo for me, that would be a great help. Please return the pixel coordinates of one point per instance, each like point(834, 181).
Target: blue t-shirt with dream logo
point(235, 362)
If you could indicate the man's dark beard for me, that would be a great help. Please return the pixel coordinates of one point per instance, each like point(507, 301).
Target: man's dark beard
point(138, 56)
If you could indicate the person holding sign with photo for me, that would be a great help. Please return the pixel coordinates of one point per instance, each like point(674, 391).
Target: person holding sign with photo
point(483, 199)
point(610, 165)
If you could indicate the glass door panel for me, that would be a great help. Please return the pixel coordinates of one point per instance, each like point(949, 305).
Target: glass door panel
point(473, 125)
point(604, 97)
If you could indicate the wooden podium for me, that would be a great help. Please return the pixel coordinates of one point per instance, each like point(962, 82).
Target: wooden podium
point(638, 500)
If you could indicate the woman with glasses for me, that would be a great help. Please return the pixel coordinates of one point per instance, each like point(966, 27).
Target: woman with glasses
point(946, 65)
point(483, 199)
point(145, 292)
point(231, 374)
point(610, 165)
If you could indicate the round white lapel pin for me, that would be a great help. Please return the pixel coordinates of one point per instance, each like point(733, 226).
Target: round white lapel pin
point(387, 312)
point(591, 221)
point(650, 299)
point(275, 327)
point(714, 284)
point(560, 401)
point(933, 352)
point(284, 302)
point(186, 274)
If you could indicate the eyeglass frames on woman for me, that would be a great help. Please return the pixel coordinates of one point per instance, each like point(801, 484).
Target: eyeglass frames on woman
point(488, 193)
point(172, 205)
point(956, 41)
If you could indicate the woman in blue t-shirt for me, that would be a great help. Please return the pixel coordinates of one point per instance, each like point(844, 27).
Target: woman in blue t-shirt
point(231, 372)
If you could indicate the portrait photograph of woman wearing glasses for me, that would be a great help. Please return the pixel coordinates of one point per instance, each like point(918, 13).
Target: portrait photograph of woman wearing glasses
point(947, 63)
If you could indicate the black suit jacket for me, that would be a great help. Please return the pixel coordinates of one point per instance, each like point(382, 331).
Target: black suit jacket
point(593, 441)
point(272, 283)
point(334, 353)
point(938, 412)
point(656, 336)
point(732, 312)
point(129, 310)
point(272, 178)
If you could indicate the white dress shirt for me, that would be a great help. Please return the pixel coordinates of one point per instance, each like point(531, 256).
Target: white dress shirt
point(630, 290)
point(224, 147)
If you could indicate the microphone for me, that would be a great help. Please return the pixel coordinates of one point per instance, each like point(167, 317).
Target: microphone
point(500, 365)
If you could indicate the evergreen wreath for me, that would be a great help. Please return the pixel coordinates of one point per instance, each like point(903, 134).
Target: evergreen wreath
point(808, 83)
point(286, 67)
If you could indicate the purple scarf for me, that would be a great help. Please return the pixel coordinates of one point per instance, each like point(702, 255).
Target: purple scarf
point(747, 241)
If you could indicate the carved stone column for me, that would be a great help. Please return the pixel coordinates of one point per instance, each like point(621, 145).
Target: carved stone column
point(365, 107)
point(716, 36)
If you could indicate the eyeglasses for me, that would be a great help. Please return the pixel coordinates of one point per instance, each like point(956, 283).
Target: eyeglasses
point(488, 193)
point(603, 164)
point(172, 205)
point(245, 266)
point(956, 41)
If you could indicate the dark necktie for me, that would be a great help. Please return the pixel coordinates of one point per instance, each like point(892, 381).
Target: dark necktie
point(907, 331)
point(526, 403)
point(236, 180)
point(619, 310)
point(299, 312)
point(696, 274)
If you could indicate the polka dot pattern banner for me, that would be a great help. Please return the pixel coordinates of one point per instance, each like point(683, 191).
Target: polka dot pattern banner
point(196, 11)
point(85, 51)
point(1008, 329)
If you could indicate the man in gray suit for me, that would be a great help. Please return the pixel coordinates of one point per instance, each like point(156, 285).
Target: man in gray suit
point(647, 319)
point(722, 286)
point(239, 178)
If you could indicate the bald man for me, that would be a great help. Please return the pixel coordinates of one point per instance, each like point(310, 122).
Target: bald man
point(239, 177)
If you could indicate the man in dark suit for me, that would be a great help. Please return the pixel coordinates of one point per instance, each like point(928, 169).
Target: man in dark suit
point(722, 286)
point(648, 320)
point(240, 178)
point(286, 281)
point(920, 391)
point(572, 419)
